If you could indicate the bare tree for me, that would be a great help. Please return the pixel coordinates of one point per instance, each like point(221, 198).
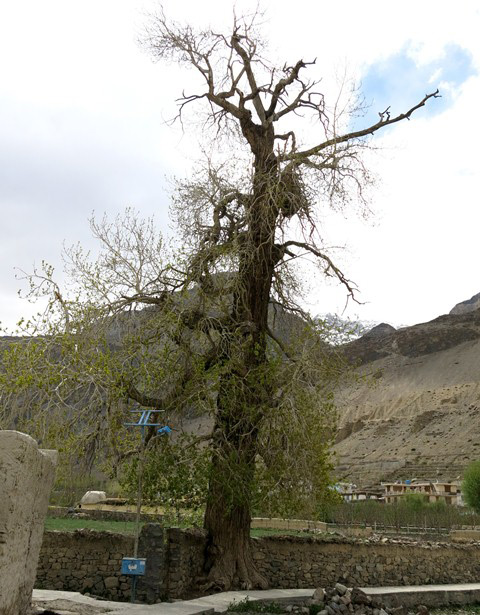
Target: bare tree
point(209, 336)
point(249, 229)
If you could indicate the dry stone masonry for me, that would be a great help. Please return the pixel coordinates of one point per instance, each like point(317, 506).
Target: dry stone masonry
point(85, 561)
point(90, 562)
point(26, 478)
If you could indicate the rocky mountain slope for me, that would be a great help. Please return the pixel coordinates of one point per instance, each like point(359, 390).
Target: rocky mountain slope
point(467, 306)
point(415, 413)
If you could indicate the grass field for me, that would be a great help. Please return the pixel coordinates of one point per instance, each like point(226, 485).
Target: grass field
point(70, 525)
point(128, 527)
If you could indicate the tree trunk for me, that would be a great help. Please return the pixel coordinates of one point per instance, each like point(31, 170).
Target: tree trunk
point(242, 394)
point(229, 562)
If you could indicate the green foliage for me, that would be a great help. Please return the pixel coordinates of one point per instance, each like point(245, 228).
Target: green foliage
point(254, 606)
point(416, 512)
point(414, 502)
point(293, 470)
point(68, 389)
point(471, 486)
point(175, 476)
point(465, 609)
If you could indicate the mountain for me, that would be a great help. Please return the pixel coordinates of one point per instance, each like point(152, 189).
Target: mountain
point(415, 411)
point(467, 306)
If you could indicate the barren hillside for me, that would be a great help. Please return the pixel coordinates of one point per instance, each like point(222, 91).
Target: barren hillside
point(417, 412)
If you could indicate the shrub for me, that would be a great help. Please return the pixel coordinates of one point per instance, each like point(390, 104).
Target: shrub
point(471, 486)
point(250, 606)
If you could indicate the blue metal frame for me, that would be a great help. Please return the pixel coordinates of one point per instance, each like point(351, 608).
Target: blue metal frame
point(144, 421)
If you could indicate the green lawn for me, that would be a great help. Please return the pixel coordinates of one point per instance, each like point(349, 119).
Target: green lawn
point(128, 527)
point(69, 525)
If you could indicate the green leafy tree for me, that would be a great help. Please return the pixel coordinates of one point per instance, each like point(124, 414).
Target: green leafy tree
point(214, 328)
point(175, 477)
point(471, 486)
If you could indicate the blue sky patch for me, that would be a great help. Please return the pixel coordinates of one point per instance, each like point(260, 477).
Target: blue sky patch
point(399, 82)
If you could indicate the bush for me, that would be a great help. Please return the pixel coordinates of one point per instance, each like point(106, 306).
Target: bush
point(412, 510)
point(471, 486)
point(415, 502)
point(250, 606)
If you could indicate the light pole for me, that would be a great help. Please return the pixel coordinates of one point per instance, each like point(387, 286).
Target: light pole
point(135, 566)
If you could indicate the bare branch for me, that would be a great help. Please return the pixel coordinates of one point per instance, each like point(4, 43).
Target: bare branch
point(330, 268)
point(280, 344)
point(246, 58)
point(385, 120)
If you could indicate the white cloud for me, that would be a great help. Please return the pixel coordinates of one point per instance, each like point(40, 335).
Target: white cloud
point(82, 129)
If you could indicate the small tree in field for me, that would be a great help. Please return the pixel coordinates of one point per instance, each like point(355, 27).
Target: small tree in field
point(210, 338)
point(471, 486)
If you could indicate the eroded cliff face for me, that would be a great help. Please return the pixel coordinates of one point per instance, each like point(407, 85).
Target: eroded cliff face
point(416, 412)
point(467, 306)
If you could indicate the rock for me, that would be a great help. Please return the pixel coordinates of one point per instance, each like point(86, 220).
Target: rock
point(467, 306)
point(341, 589)
point(93, 497)
point(26, 477)
point(318, 596)
point(380, 330)
point(111, 582)
point(360, 597)
point(377, 604)
point(422, 609)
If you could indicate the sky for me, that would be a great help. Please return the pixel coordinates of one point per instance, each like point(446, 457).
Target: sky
point(82, 130)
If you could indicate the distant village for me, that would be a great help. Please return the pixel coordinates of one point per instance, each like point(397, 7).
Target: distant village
point(392, 493)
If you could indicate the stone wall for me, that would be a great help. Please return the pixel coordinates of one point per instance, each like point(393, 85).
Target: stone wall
point(290, 562)
point(90, 561)
point(85, 561)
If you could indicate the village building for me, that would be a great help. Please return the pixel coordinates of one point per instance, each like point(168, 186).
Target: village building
point(433, 491)
point(350, 493)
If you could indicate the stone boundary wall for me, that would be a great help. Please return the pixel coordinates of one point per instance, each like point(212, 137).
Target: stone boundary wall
point(85, 561)
point(290, 562)
point(90, 561)
point(273, 523)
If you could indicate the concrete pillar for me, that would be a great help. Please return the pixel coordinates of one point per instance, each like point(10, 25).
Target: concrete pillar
point(26, 478)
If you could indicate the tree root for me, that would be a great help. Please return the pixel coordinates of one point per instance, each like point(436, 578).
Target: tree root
point(229, 573)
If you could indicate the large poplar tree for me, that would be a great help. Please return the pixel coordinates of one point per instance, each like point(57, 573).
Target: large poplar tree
point(208, 338)
point(257, 227)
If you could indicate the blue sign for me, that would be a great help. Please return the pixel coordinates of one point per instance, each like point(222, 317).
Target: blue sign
point(133, 565)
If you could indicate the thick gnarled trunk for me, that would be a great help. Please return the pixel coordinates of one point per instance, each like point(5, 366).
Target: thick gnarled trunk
point(229, 562)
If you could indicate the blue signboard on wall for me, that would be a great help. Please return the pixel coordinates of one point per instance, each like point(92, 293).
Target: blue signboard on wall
point(133, 566)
